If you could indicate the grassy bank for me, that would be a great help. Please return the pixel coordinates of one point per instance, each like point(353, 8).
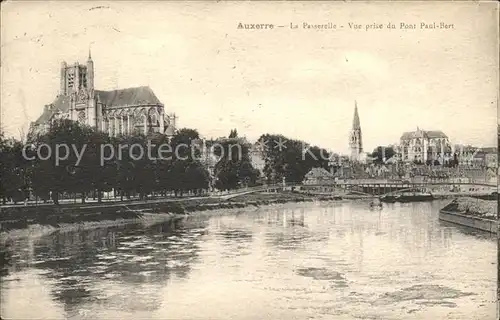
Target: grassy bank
point(45, 219)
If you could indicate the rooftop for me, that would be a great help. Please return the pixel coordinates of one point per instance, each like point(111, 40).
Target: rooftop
point(114, 98)
point(423, 134)
point(318, 173)
point(129, 96)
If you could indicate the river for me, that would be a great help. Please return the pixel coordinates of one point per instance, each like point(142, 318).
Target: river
point(330, 260)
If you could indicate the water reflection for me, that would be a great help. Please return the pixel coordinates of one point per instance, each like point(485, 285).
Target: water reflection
point(325, 260)
point(5, 258)
point(79, 263)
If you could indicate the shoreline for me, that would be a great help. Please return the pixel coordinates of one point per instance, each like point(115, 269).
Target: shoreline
point(40, 221)
point(140, 213)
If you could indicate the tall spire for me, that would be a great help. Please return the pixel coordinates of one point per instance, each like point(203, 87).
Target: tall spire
point(90, 56)
point(355, 122)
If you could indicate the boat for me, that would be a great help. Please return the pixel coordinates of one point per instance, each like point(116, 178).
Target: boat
point(491, 196)
point(415, 197)
point(376, 204)
point(388, 198)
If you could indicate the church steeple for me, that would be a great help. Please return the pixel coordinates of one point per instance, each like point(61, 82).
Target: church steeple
point(355, 122)
point(355, 138)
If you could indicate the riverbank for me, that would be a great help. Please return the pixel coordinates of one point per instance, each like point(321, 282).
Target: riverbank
point(37, 221)
point(33, 221)
point(471, 212)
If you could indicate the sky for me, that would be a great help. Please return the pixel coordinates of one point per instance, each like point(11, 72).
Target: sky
point(297, 82)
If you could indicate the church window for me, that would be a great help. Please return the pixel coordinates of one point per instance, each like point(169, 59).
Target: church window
point(81, 117)
point(71, 79)
point(125, 125)
point(120, 129)
point(106, 125)
point(145, 124)
point(112, 126)
point(153, 120)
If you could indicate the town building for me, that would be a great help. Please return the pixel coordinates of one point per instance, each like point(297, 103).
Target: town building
point(318, 176)
point(471, 156)
point(123, 111)
point(422, 146)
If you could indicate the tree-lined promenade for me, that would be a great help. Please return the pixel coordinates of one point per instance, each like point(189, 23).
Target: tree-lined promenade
point(72, 160)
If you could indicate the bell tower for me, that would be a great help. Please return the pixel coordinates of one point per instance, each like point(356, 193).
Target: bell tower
point(77, 82)
point(355, 138)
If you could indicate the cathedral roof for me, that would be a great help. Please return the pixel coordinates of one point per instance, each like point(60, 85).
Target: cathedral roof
point(435, 134)
point(115, 98)
point(61, 104)
point(423, 134)
point(128, 96)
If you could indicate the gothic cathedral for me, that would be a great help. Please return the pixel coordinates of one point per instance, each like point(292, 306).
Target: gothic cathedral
point(116, 112)
point(355, 138)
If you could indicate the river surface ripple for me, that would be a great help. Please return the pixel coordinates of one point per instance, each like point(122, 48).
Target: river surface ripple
point(331, 260)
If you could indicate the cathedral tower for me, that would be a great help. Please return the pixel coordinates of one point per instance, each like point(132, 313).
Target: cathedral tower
point(77, 77)
point(77, 83)
point(355, 138)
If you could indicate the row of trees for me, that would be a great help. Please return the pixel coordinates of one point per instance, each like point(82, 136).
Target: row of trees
point(87, 161)
point(14, 170)
point(234, 167)
point(75, 159)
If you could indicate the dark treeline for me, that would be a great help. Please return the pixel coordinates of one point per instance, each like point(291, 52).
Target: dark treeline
point(290, 159)
point(86, 162)
point(127, 164)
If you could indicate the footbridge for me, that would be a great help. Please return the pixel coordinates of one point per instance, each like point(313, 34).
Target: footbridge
point(369, 189)
point(380, 189)
point(257, 189)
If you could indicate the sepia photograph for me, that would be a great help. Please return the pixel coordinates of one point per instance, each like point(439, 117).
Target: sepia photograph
point(247, 160)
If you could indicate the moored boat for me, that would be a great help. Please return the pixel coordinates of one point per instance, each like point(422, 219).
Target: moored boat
point(376, 204)
point(388, 198)
point(491, 196)
point(415, 197)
